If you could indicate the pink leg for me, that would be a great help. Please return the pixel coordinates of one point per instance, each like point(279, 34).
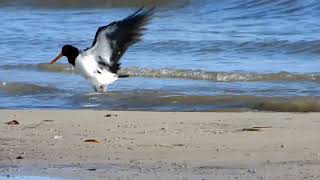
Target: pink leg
point(103, 88)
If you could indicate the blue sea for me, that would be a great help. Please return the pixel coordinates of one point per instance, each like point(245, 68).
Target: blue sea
point(196, 55)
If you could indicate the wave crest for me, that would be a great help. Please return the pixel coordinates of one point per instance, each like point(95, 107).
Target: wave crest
point(181, 73)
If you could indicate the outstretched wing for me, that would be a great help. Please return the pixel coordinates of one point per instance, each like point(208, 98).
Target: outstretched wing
point(111, 41)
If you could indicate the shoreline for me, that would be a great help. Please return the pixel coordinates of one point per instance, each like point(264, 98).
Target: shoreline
point(153, 145)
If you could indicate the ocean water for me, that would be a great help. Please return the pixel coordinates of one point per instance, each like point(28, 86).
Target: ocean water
point(196, 55)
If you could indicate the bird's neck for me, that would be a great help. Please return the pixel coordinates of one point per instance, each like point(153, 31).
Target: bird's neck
point(72, 58)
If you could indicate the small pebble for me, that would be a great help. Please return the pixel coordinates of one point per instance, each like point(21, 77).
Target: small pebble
point(110, 115)
point(252, 171)
point(19, 157)
point(92, 169)
point(58, 137)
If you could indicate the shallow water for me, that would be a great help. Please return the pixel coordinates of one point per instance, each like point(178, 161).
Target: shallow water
point(195, 56)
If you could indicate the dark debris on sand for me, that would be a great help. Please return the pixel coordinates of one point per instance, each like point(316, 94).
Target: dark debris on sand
point(13, 122)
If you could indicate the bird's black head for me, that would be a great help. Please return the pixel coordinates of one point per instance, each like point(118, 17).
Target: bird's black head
point(70, 52)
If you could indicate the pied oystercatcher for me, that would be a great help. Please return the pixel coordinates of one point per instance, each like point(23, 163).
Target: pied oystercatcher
point(99, 64)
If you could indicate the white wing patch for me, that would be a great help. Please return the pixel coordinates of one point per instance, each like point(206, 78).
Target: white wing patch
point(102, 48)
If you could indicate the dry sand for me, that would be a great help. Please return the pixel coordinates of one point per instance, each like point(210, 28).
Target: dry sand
point(160, 145)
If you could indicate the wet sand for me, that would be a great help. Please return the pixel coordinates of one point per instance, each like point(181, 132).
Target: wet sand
point(160, 145)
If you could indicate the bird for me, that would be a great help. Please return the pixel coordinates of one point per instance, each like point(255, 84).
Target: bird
point(100, 63)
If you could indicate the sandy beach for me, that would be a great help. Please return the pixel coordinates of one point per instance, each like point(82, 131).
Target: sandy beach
point(159, 145)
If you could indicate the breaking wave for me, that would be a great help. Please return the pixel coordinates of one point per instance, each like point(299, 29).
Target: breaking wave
point(180, 73)
point(219, 76)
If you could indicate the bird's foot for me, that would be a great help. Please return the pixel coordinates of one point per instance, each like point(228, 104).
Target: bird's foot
point(103, 88)
point(100, 89)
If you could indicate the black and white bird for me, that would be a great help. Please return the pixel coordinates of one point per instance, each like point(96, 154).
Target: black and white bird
point(99, 64)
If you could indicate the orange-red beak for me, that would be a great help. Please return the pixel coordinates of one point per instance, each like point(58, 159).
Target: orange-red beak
point(57, 58)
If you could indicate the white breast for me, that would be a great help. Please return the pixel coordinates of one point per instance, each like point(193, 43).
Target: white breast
point(88, 67)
